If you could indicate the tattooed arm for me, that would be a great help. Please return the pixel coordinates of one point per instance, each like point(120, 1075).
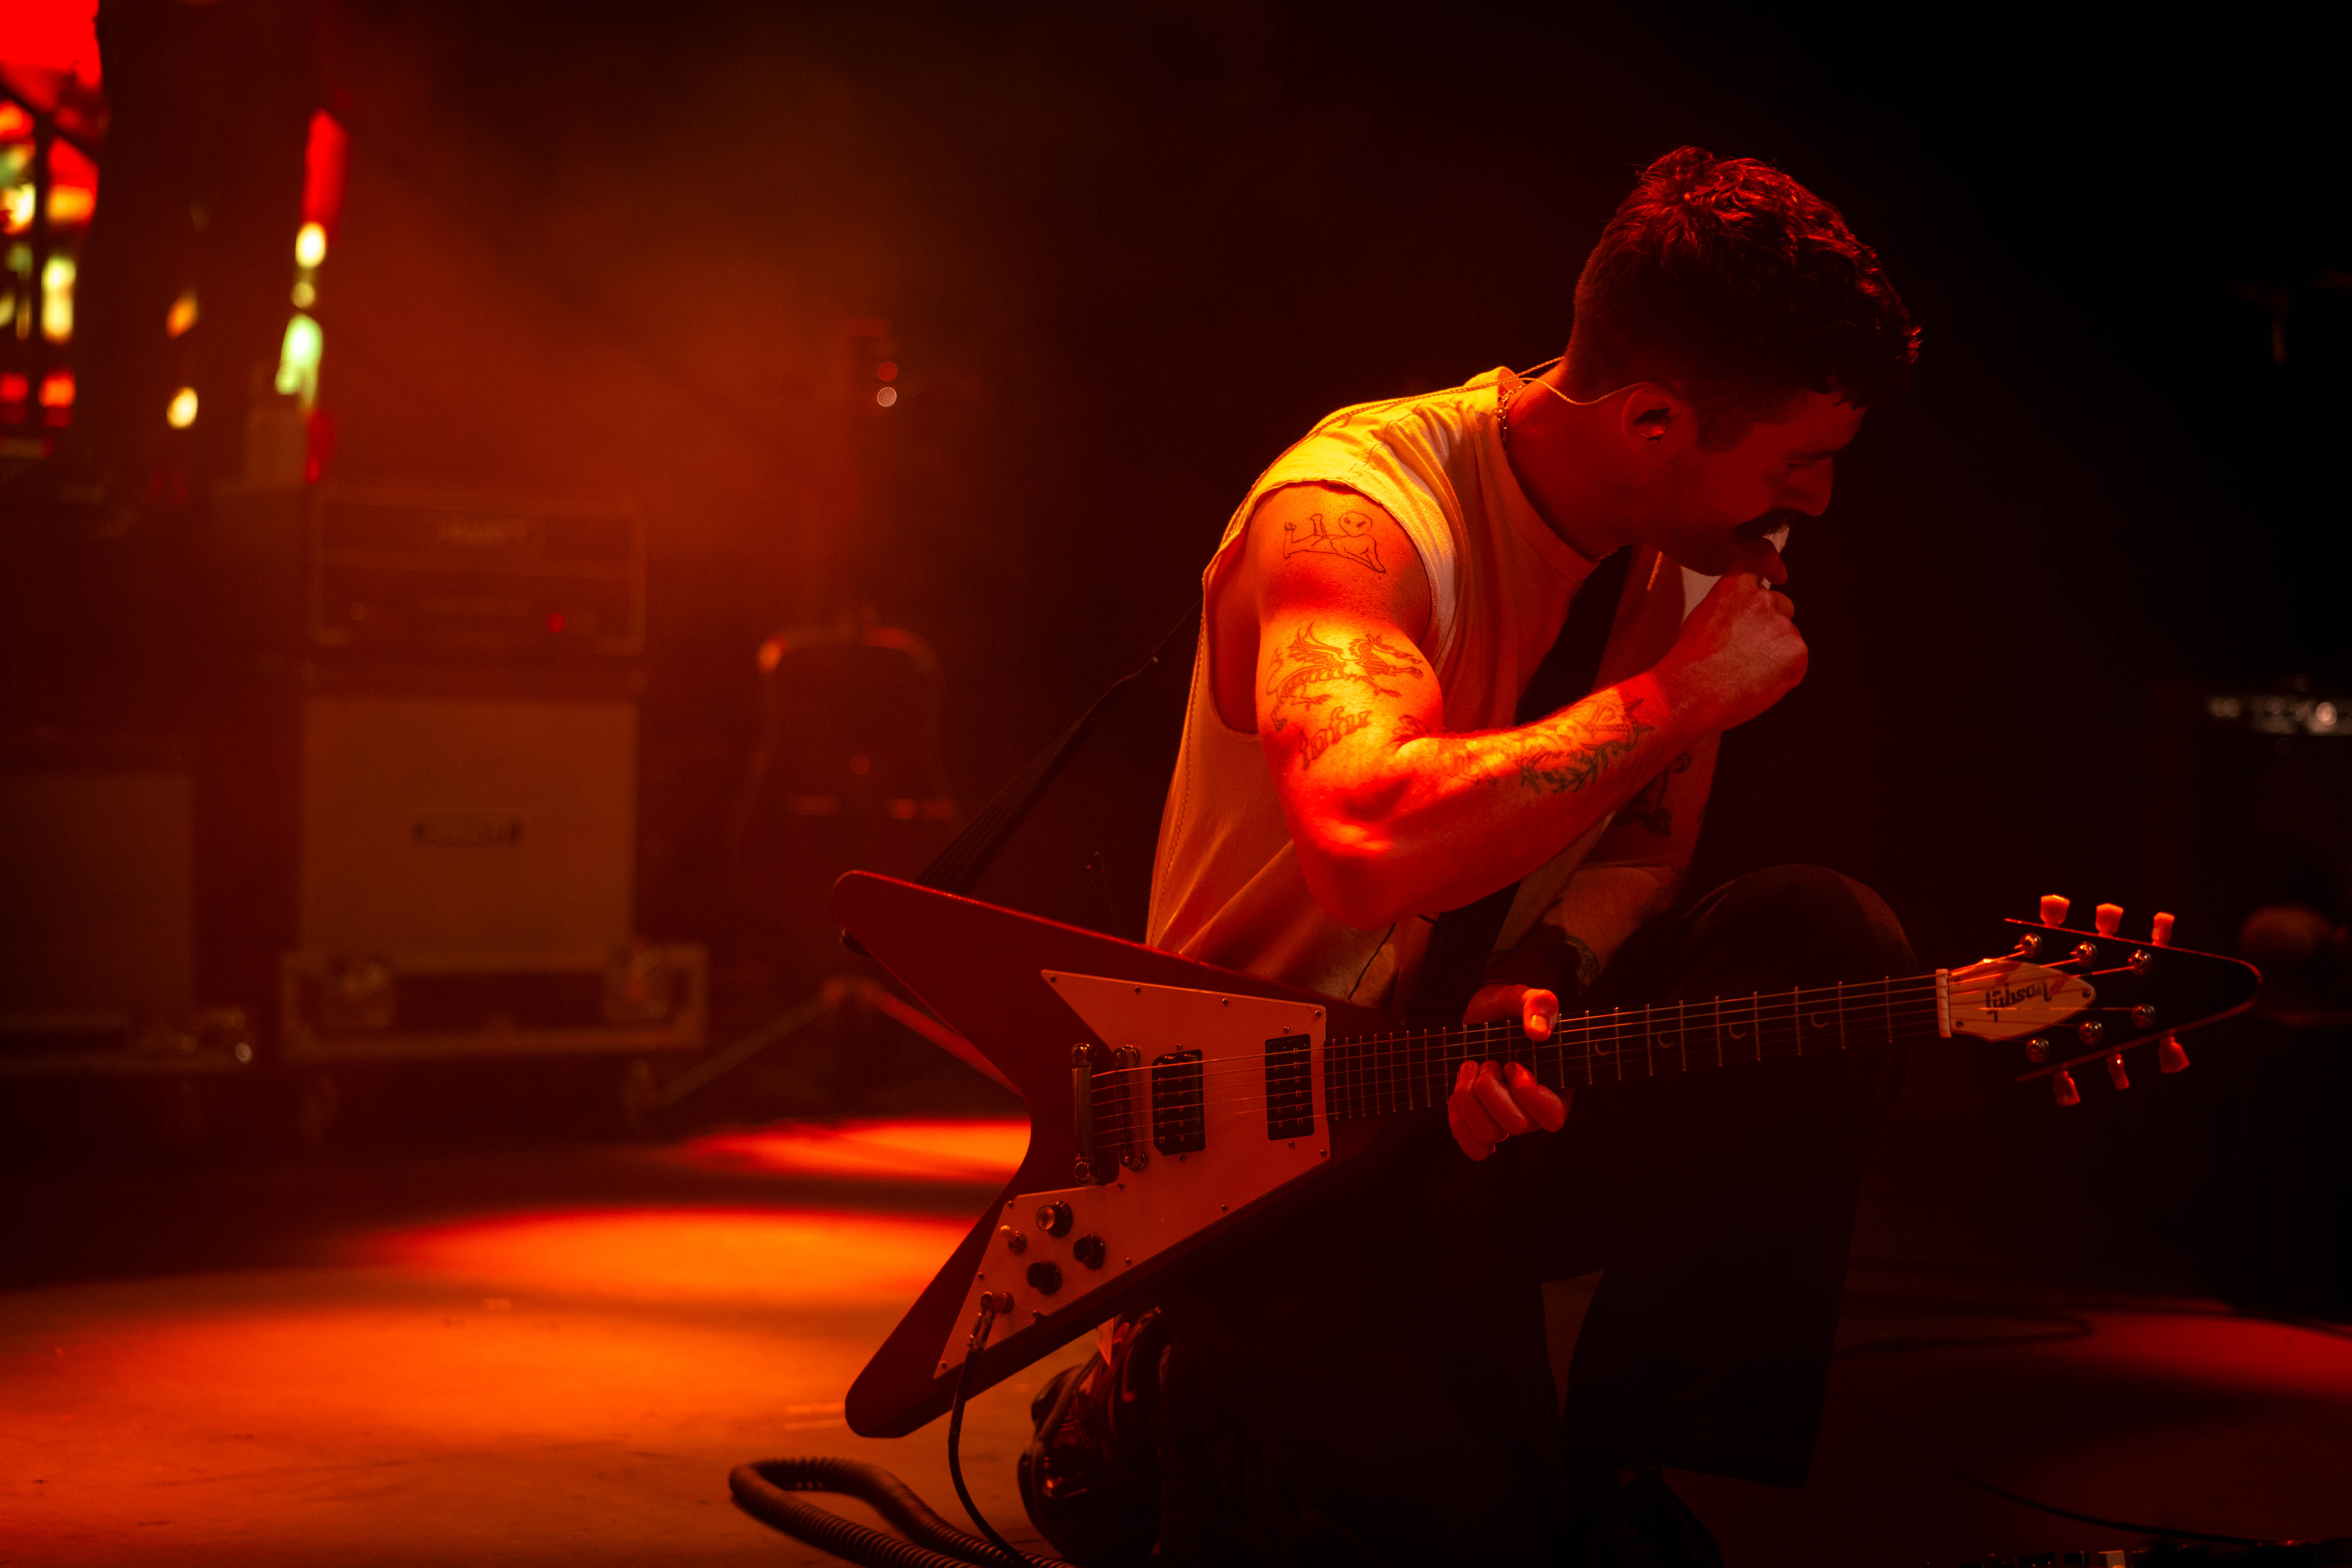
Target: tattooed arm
point(1390, 815)
point(1631, 874)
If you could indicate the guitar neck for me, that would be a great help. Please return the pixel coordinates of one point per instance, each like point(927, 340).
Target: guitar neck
point(1377, 1075)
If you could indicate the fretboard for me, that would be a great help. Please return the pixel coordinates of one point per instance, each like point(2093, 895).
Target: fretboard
point(1376, 1074)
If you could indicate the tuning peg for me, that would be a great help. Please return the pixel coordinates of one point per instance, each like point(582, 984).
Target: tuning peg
point(2054, 909)
point(2159, 933)
point(2062, 1084)
point(2169, 1056)
point(2107, 919)
point(2116, 1074)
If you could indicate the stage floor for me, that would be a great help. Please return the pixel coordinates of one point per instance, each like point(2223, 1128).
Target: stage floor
point(556, 1355)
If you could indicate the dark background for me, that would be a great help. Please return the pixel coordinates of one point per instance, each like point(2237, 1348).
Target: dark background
point(1127, 255)
point(1127, 258)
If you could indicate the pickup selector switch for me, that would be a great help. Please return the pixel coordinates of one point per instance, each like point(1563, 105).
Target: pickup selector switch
point(1053, 1219)
point(1089, 1250)
point(1014, 1242)
point(1045, 1278)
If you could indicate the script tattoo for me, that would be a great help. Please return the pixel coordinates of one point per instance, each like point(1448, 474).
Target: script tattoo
point(1350, 538)
point(1648, 808)
point(1313, 671)
point(1336, 727)
point(1555, 763)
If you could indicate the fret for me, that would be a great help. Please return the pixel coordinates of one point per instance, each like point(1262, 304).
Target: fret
point(1410, 1070)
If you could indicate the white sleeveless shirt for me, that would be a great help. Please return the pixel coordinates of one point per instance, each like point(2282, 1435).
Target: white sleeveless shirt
point(1226, 886)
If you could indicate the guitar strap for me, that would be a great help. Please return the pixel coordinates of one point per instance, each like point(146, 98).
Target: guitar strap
point(957, 868)
point(1464, 939)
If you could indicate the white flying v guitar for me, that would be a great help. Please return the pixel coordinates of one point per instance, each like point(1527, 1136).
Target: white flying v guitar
point(1168, 1100)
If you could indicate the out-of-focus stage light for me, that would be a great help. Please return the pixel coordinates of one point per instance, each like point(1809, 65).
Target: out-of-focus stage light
point(310, 245)
point(298, 363)
point(182, 315)
point(887, 396)
point(182, 410)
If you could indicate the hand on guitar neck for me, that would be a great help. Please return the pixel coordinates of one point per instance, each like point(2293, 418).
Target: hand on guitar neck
point(1492, 1101)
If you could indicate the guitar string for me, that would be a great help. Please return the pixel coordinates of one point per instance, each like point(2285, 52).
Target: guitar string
point(1629, 1038)
point(1352, 1101)
point(1853, 998)
point(1627, 1025)
point(1351, 1076)
point(1375, 1078)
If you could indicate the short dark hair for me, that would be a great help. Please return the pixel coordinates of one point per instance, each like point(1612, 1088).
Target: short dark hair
point(1731, 282)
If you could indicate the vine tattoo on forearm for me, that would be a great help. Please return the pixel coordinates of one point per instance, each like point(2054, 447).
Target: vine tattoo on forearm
point(1311, 674)
point(1596, 732)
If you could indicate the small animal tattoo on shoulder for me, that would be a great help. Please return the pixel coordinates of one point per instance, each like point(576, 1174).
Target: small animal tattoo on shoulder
point(1350, 538)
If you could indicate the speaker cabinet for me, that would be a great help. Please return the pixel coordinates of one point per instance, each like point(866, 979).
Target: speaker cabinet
point(97, 910)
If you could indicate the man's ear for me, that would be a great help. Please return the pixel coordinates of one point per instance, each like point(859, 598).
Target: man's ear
point(1658, 420)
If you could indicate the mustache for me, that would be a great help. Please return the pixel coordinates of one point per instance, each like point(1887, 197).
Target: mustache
point(1770, 523)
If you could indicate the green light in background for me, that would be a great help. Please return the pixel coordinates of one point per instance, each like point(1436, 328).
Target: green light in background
point(298, 363)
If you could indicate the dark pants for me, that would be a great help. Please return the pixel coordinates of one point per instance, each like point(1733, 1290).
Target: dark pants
point(1365, 1379)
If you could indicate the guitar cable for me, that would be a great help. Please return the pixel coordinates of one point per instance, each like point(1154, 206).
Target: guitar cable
point(980, 1328)
point(764, 1490)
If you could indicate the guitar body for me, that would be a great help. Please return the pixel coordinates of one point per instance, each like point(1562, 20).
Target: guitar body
point(1026, 992)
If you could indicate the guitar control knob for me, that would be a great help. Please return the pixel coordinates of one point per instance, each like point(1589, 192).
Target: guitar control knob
point(2161, 934)
point(2054, 909)
point(1014, 1242)
point(1089, 1250)
point(2062, 1084)
point(2115, 1073)
point(1053, 1219)
point(1045, 1277)
point(2169, 1056)
point(2107, 919)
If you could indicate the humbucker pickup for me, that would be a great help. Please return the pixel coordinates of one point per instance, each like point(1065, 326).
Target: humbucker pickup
point(1178, 1120)
point(1290, 1087)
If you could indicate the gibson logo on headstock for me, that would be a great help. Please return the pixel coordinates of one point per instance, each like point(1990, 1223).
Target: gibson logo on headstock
point(2004, 996)
point(2000, 998)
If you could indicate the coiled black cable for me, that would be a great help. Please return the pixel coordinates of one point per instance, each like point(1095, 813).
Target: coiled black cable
point(765, 1491)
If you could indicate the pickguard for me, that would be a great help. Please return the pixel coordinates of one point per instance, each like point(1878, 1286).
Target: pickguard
point(1142, 1213)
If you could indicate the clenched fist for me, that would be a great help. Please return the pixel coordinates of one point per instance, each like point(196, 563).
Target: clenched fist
point(1738, 653)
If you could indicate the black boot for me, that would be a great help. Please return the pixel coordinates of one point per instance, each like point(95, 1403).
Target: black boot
point(1090, 1476)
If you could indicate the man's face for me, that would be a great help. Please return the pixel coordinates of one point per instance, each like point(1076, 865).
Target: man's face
point(1712, 510)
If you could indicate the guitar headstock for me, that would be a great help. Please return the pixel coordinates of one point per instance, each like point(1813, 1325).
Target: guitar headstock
point(2064, 996)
